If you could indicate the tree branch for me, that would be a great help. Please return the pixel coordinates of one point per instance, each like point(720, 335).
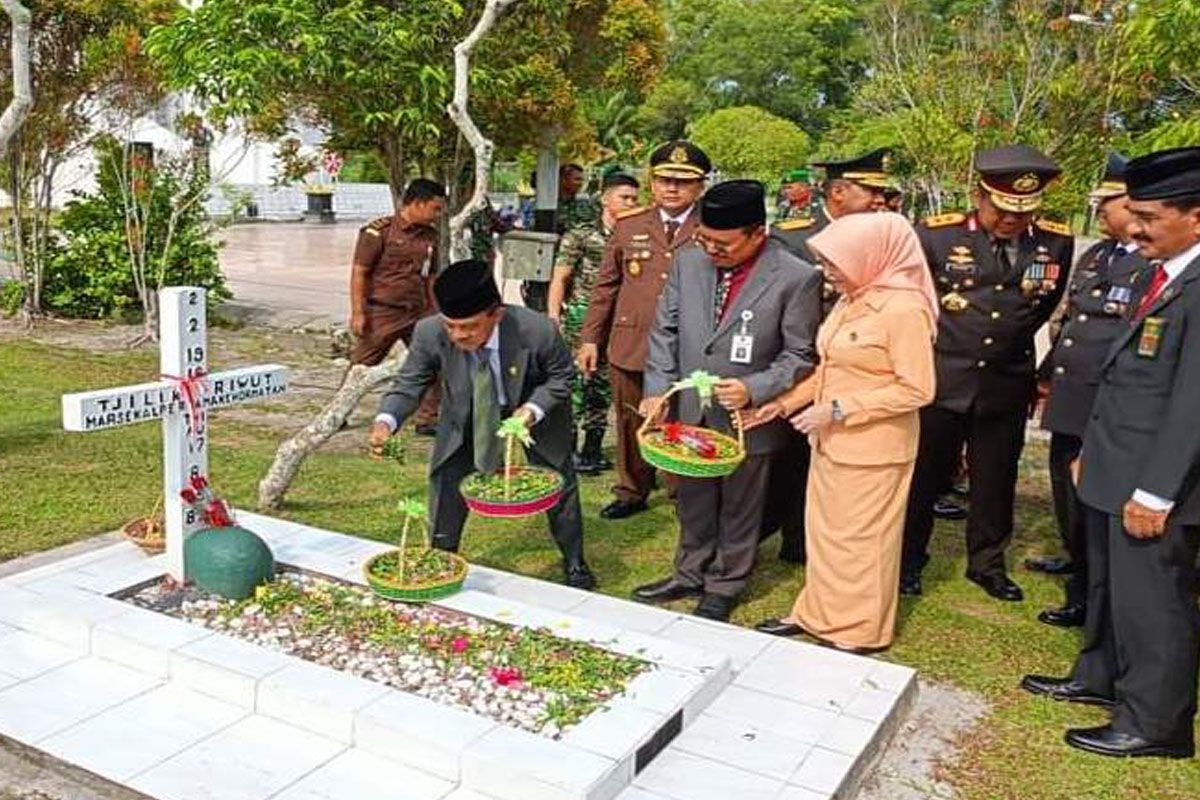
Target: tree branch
point(457, 109)
point(22, 89)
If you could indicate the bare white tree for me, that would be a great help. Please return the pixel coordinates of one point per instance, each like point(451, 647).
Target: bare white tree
point(22, 88)
point(362, 379)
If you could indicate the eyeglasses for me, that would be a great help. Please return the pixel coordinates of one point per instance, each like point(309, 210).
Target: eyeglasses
point(715, 248)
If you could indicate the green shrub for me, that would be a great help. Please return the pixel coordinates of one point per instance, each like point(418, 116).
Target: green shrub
point(88, 271)
point(11, 295)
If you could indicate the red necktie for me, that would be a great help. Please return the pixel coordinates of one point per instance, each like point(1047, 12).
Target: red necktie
point(1152, 291)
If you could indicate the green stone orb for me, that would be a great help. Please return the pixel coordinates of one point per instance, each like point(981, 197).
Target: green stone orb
point(228, 562)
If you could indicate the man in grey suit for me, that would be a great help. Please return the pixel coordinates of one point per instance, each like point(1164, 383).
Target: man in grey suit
point(1139, 480)
point(741, 307)
point(493, 360)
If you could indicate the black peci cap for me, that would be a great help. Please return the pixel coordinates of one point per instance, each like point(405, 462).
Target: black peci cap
point(466, 288)
point(1165, 174)
point(734, 204)
point(1015, 176)
point(680, 159)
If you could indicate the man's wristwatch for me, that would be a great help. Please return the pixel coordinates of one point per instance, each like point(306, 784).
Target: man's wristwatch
point(838, 415)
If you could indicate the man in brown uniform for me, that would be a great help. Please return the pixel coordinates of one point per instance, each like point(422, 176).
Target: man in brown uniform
point(395, 262)
point(636, 264)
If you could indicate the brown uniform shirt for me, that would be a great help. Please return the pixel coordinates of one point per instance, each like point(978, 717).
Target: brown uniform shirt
point(637, 261)
point(400, 260)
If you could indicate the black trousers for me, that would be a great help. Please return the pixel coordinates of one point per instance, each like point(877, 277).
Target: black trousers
point(1141, 641)
point(994, 443)
point(719, 522)
point(787, 494)
point(1068, 512)
point(449, 511)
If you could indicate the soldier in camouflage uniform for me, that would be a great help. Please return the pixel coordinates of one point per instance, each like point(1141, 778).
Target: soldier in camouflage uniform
point(579, 255)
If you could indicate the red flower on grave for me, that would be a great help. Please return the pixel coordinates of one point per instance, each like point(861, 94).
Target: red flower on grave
point(188, 496)
point(198, 483)
point(460, 644)
point(507, 676)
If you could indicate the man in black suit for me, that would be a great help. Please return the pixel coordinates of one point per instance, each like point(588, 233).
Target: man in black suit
point(493, 360)
point(1139, 479)
point(1000, 271)
point(1090, 318)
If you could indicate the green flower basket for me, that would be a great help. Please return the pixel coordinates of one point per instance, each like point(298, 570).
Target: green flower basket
point(380, 573)
point(677, 460)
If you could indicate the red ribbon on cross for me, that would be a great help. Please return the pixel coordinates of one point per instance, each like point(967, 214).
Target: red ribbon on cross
point(192, 388)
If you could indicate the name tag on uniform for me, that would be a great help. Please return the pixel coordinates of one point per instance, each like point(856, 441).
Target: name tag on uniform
point(742, 348)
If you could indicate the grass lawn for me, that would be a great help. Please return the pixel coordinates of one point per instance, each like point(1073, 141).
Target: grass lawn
point(56, 488)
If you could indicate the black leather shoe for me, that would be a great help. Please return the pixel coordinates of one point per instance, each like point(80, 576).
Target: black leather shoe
point(1000, 587)
point(947, 508)
point(1071, 616)
point(715, 606)
point(620, 509)
point(1105, 741)
point(426, 429)
point(792, 552)
point(778, 627)
point(910, 584)
point(665, 591)
point(1064, 689)
point(1051, 565)
point(580, 577)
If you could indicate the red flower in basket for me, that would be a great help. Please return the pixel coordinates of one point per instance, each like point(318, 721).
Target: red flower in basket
point(507, 676)
point(698, 443)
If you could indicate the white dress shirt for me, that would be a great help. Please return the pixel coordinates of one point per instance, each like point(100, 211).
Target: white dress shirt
point(1174, 267)
point(680, 218)
point(492, 350)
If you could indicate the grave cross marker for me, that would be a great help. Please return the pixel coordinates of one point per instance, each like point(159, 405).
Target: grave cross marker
point(181, 399)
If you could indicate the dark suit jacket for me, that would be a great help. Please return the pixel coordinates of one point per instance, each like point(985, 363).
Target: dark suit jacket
point(1144, 432)
point(984, 352)
point(536, 367)
point(784, 295)
point(1092, 320)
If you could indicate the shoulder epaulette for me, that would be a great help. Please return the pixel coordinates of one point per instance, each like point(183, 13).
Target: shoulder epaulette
point(629, 212)
point(797, 224)
point(1061, 228)
point(376, 226)
point(944, 220)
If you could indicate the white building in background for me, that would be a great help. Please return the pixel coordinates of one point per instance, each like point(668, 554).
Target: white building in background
point(242, 170)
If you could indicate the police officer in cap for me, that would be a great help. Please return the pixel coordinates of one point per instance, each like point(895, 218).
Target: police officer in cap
point(1000, 272)
point(637, 261)
point(1139, 481)
point(1093, 315)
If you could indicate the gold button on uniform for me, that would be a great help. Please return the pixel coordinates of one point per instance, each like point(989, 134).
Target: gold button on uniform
point(988, 340)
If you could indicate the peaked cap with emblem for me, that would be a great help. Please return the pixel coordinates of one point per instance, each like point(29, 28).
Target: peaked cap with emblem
point(680, 159)
point(1113, 182)
point(870, 170)
point(1165, 174)
point(1015, 176)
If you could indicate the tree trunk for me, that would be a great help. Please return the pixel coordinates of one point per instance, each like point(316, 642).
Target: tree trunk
point(359, 381)
point(22, 88)
point(393, 157)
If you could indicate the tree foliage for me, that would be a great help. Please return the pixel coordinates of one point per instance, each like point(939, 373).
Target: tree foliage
point(748, 142)
point(376, 74)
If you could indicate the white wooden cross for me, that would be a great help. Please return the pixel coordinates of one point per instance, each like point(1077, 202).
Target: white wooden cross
point(183, 355)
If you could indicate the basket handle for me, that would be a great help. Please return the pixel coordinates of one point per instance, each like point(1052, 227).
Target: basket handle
point(741, 429)
point(658, 407)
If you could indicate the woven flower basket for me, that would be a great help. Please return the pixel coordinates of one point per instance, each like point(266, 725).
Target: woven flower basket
point(147, 533)
point(523, 506)
point(676, 459)
point(410, 591)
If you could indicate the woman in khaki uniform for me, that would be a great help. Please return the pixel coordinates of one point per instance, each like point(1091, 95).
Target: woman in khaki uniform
point(876, 371)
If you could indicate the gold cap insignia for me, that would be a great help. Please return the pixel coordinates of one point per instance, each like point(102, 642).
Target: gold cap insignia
point(678, 156)
point(1029, 182)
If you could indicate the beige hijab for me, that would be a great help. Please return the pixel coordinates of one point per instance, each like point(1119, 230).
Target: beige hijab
point(878, 251)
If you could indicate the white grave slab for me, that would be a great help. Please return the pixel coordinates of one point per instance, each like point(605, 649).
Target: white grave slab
point(724, 713)
point(181, 399)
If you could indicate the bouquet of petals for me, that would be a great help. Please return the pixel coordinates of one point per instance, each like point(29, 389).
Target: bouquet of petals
point(211, 509)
